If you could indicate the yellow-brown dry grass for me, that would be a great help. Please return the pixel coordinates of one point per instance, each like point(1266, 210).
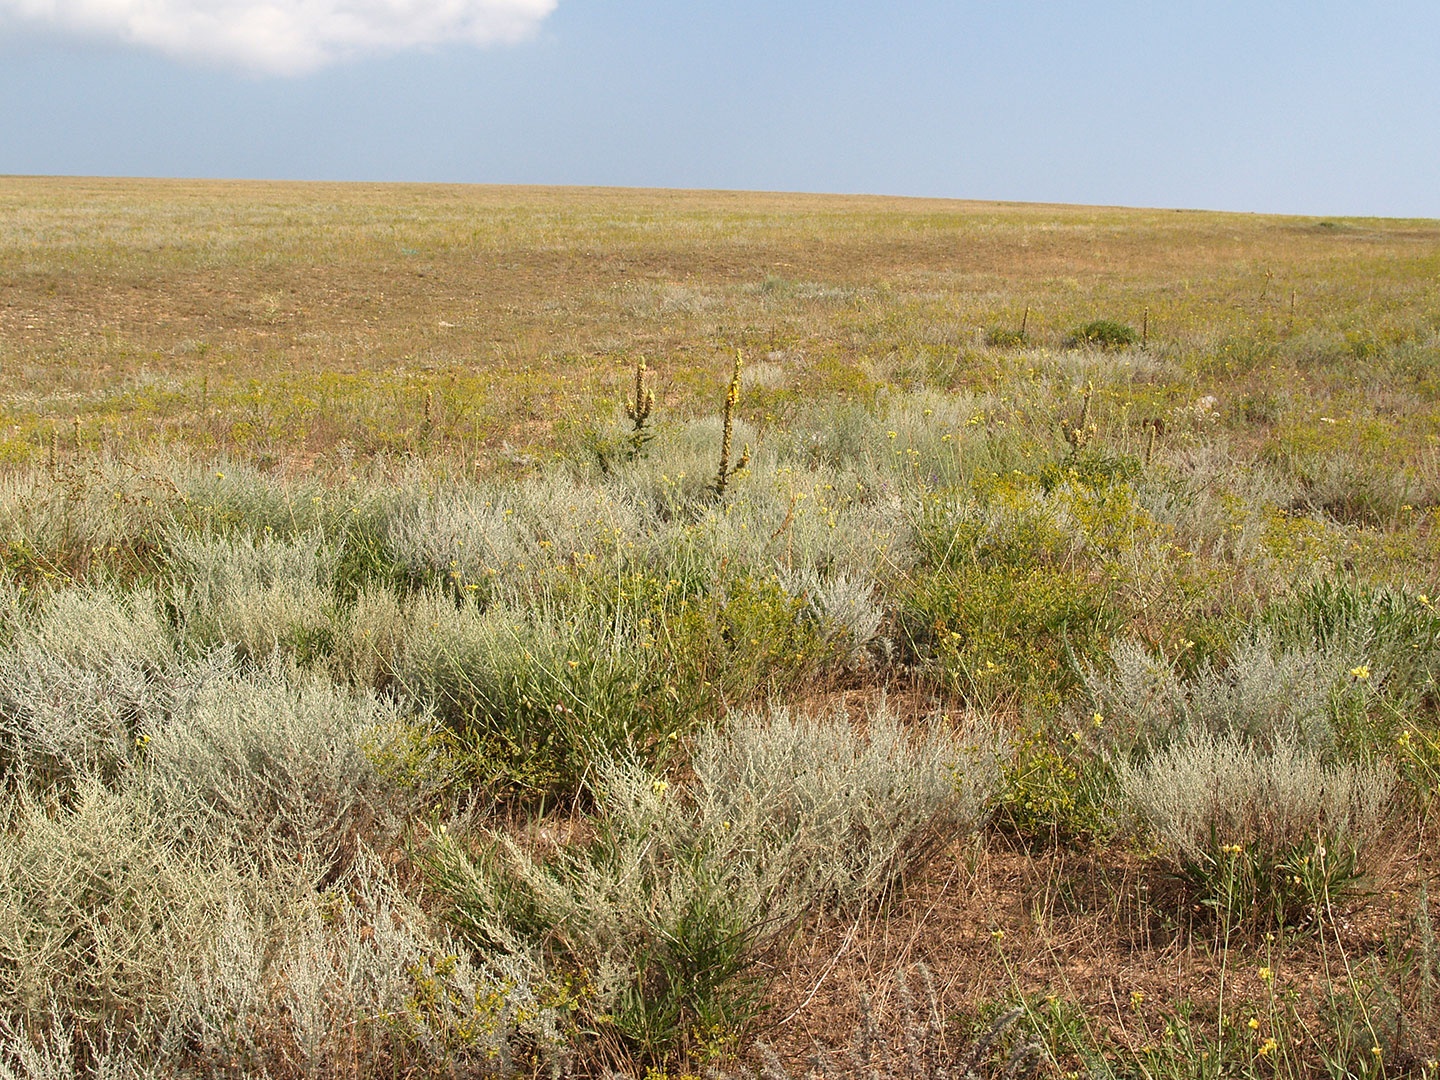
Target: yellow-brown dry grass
point(281, 321)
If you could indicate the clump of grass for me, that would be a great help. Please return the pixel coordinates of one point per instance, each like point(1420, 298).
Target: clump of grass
point(1104, 334)
point(536, 698)
point(1233, 774)
point(1001, 337)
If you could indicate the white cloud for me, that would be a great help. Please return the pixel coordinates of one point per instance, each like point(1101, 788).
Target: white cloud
point(286, 38)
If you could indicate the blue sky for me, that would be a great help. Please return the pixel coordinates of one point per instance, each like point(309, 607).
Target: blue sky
point(1316, 108)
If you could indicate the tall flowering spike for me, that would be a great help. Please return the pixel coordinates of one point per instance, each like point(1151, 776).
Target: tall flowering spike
point(639, 410)
point(1083, 431)
point(732, 401)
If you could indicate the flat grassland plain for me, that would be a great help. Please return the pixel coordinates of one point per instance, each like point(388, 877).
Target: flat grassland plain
point(427, 651)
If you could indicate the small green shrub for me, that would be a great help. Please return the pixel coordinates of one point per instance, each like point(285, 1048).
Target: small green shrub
point(1000, 337)
point(1092, 468)
point(1102, 334)
point(1004, 635)
point(747, 638)
point(536, 697)
point(1056, 791)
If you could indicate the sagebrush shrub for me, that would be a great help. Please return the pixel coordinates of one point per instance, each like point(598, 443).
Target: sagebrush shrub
point(95, 908)
point(1265, 693)
point(1262, 833)
point(850, 616)
point(352, 980)
point(84, 674)
point(272, 767)
point(682, 889)
point(256, 594)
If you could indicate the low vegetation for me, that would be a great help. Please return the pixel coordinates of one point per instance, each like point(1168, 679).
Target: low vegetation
point(713, 670)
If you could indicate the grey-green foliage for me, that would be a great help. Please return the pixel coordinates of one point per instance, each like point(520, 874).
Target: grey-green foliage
point(1211, 500)
point(652, 516)
point(1209, 786)
point(683, 888)
point(354, 979)
point(82, 675)
point(96, 906)
point(1241, 757)
point(119, 956)
point(1266, 692)
point(924, 437)
point(846, 607)
point(86, 510)
point(58, 1052)
point(465, 656)
point(1397, 633)
point(271, 764)
point(790, 508)
point(488, 536)
point(829, 816)
point(237, 497)
point(369, 638)
point(256, 593)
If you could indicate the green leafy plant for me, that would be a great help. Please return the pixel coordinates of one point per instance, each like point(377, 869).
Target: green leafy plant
point(1102, 334)
point(1002, 635)
point(1057, 790)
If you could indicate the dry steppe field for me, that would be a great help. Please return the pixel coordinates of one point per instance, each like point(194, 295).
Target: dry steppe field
point(466, 631)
